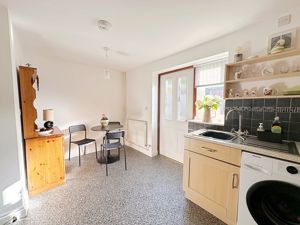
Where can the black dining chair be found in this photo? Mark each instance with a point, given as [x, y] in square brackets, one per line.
[107, 146]
[82, 142]
[112, 123]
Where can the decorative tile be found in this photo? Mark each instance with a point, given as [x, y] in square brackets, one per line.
[258, 102]
[270, 103]
[296, 102]
[247, 102]
[283, 102]
[284, 116]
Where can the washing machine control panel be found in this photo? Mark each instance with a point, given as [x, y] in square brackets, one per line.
[286, 169]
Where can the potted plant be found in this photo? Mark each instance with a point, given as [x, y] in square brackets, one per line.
[104, 121]
[208, 103]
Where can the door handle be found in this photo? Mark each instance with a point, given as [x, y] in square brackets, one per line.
[209, 149]
[235, 181]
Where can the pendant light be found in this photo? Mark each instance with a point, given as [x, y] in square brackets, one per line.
[106, 69]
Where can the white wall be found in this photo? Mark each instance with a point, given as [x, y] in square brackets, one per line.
[12, 189]
[78, 93]
[141, 82]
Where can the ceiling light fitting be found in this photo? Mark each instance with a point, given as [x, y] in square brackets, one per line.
[104, 25]
[106, 70]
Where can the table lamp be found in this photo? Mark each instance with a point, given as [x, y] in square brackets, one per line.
[48, 116]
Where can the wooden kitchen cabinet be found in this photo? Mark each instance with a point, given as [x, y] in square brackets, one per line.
[211, 182]
[45, 162]
[45, 165]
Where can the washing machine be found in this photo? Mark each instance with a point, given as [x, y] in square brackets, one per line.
[269, 191]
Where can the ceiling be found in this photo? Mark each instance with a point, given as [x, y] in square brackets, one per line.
[142, 30]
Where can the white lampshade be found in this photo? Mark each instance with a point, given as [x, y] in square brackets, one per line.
[48, 115]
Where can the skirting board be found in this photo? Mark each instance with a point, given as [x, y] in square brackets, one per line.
[19, 213]
[145, 151]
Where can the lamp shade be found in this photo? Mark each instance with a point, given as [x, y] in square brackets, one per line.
[48, 115]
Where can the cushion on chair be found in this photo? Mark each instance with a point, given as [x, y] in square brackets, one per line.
[83, 141]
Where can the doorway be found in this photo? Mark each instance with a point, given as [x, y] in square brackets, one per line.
[175, 108]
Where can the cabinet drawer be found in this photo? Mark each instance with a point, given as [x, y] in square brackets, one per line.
[216, 151]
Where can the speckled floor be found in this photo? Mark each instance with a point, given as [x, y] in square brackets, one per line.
[148, 193]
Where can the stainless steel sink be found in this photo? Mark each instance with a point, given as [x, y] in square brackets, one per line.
[218, 135]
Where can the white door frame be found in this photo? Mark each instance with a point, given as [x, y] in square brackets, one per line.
[158, 102]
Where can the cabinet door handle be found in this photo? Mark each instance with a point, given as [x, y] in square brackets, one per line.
[209, 149]
[235, 181]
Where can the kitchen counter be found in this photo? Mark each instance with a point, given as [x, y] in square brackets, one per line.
[263, 150]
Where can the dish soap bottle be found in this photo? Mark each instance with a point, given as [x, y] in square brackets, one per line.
[276, 127]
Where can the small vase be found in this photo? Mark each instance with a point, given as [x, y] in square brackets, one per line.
[104, 123]
[206, 115]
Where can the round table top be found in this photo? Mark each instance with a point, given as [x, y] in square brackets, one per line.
[107, 128]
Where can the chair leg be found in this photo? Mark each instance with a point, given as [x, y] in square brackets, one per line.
[79, 155]
[106, 162]
[84, 150]
[96, 149]
[125, 158]
[69, 151]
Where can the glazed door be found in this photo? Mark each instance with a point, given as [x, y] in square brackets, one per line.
[176, 108]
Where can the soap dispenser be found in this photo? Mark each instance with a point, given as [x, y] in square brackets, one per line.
[260, 127]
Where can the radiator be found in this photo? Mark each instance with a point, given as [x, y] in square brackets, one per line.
[137, 132]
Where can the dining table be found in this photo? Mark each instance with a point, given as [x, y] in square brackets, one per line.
[110, 157]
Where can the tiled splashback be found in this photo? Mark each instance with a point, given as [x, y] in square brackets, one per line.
[255, 111]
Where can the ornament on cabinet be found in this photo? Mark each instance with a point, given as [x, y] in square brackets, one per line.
[238, 57]
[246, 93]
[253, 93]
[230, 93]
[267, 70]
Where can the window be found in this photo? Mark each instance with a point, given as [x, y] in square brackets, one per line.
[210, 81]
[169, 99]
[182, 99]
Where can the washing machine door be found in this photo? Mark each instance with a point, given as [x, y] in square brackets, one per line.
[274, 203]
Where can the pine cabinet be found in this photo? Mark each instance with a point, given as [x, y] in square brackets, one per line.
[45, 162]
[210, 180]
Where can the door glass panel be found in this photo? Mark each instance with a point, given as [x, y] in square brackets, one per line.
[182, 99]
[169, 99]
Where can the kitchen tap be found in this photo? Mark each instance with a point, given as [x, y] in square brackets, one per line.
[239, 133]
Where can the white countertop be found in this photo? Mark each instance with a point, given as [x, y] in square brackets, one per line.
[240, 145]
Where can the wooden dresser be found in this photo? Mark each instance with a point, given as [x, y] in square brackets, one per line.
[45, 164]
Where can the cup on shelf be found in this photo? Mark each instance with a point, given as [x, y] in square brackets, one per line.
[237, 75]
[246, 93]
[237, 95]
[230, 93]
[267, 91]
[253, 93]
[284, 69]
[267, 70]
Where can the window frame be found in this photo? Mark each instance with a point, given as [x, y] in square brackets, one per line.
[223, 57]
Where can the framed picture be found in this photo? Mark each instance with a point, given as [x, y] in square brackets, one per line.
[289, 36]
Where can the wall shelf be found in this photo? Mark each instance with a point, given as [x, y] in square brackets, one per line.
[267, 58]
[255, 82]
[266, 77]
[265, 97]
